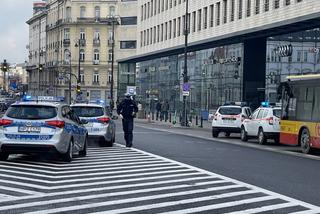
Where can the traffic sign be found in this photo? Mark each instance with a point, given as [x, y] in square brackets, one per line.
[185, 93]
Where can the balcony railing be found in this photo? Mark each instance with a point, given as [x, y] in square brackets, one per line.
[66, 42]
[96, 62]
[96, 42]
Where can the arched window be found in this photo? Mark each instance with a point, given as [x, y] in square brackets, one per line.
[97, 12]
[82, 11]
[67, 56]
[68, 13]
[112, 10]
[82, 55]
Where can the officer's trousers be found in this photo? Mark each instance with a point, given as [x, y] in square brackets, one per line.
[127, 125]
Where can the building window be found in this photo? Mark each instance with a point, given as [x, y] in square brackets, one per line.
[211, 15]
[218, 13]
[141, 13]
[97, 12]
[161, 38]
[96, 55]
[159, 6]
[66, 33]
[248, 8]
[232, 11]
[82, 34]
[162, 5]
[174, 28]
[299, 56]
[166, 31]
[170, 6]
[67, 57]
[194, 21]
[276, 4]
[305, 58]
[257, 7]
[170, 29]
[82, 77]
[225, 11]
[199, 20]
[167, 5]
[96, 34]
[130, 20]
[288, 2]
[82, 11]
[266, 5]
[155, 7]
[128, 44]
[82, 55]
[154, 34]
[205, 18]
[240, 9]
[148, 10]
[151, 8]
[110, 55]
[95, 77]
[141, 38]
[112, 10]
[68, 13]
[179, 27]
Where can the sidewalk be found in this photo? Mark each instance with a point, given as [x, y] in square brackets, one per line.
[194, 130]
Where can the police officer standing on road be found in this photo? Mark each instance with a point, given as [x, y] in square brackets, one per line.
[127, 110]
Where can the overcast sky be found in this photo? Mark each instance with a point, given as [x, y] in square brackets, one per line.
[14, 34]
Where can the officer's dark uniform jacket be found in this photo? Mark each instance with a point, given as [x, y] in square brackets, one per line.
[127, 107]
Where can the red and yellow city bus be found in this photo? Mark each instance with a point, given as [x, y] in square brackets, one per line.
[300, 120]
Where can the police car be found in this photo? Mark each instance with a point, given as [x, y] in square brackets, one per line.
[263, 124]
[100, 125]
[41, 125]
[228, 118]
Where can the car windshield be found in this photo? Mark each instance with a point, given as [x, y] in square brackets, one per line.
[85, 111]
[230, 110]
[277, 112]
[32, 112]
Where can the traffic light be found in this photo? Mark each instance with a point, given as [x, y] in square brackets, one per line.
[40, 67]
[4, 66]
[78, 90]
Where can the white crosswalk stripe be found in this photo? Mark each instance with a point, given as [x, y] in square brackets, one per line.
[122, 180]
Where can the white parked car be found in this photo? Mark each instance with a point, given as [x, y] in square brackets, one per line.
[263, 124]
[228, 118]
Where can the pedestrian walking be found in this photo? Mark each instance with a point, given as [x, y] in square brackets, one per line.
[165, 110]
[127, 110]
[158, 109]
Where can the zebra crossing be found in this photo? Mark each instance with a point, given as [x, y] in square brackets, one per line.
[128, 180]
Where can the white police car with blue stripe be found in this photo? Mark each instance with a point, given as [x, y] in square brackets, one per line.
[100, 125]
[41, 125]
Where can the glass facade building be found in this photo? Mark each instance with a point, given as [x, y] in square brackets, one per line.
[216, 75]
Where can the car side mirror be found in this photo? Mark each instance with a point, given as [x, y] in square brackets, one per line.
[83, 121]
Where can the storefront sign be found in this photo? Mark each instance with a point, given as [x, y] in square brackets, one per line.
[232, 59]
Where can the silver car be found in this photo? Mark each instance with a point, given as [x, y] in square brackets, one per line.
[30, 127]
[100, 125]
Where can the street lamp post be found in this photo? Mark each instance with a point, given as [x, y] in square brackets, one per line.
[185, 72]
[113, 20]
[79, 59]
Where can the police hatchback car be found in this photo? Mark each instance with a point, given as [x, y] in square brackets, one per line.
[263, 124]
[41, 125]
[228, 118]
[100, 126]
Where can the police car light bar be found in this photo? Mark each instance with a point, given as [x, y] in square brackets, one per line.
[265, 104]
[42, 98]
[99, 102]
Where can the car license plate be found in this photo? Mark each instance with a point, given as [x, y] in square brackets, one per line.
[29, 129]
[228, 121]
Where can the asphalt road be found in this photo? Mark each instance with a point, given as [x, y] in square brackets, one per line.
[293, 176]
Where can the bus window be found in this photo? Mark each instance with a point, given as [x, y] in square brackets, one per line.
[316, 105]
[304, 105]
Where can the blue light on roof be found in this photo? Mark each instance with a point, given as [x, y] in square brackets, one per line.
[265, 104]
[27, 98]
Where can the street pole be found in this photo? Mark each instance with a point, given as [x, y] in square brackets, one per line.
[70, 72]
[185, 72]
[78, 80]
[39, 56]
[112, 65]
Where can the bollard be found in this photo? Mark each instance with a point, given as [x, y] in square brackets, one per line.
[170, 117]
[196, 120]
[201, 122]
[152, 115]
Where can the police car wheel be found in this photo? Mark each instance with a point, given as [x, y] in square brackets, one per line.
[244, 136]
[83, 152]
[3, 156]
[215, 133]
[261, 137]
[68, 155]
